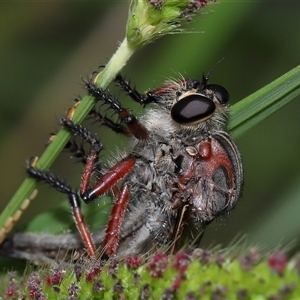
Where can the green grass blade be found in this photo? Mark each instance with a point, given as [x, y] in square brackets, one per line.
[257, 107]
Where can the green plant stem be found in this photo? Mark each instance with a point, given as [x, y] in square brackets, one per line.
[112, 68]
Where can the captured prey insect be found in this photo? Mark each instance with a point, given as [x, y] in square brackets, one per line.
[182, 167]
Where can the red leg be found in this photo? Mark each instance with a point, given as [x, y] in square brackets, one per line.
[74, 202]
[108, 180]
[88, 171]
[113, 229]
[82, 226]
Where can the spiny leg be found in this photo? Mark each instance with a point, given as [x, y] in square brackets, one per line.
[108, 181]
[134, 126]
[74, 202]
[92, 158]
[143, 99]
[118, 128]
[77, 151]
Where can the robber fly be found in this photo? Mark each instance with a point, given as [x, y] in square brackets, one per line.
[181, 168]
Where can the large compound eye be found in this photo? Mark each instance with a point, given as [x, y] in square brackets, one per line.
[192, 108]
[220, 92]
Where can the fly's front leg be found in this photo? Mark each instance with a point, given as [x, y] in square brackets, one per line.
[143, 99]
[134, 126]
[117, 128]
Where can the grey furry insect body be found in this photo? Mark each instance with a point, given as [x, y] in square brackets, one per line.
[170, 185]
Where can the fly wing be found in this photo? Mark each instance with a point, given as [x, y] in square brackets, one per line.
[147, 230]
[229, 173]
[40, 248]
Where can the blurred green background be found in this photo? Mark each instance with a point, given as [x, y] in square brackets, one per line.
[46, 46]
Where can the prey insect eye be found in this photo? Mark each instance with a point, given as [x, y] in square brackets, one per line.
[192, 108]
[220, 92]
